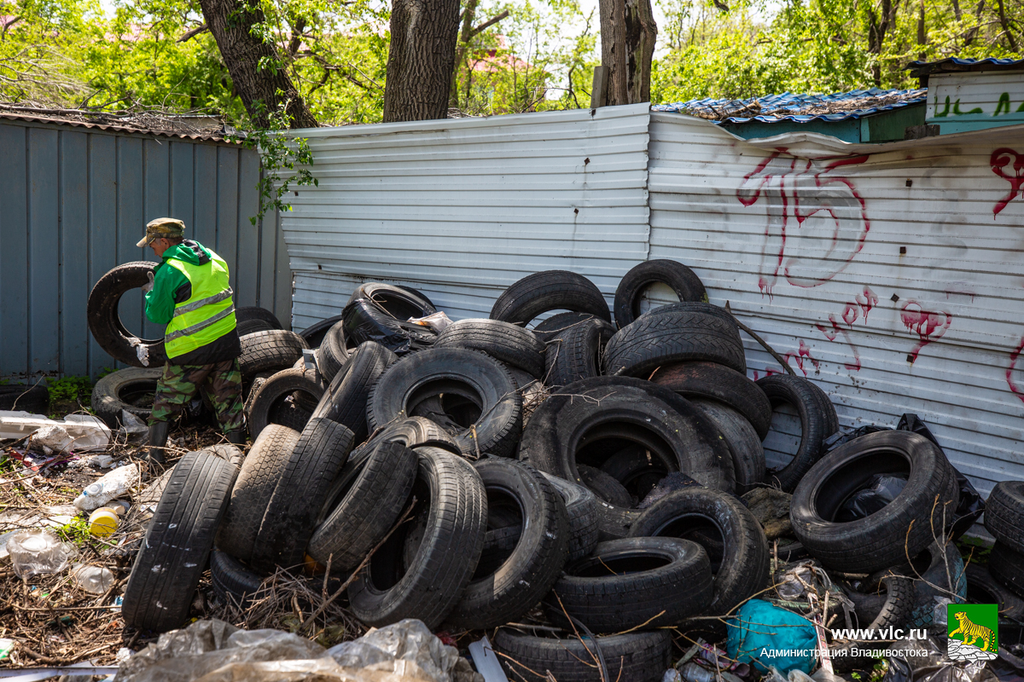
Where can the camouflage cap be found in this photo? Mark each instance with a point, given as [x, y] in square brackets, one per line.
[162, 227]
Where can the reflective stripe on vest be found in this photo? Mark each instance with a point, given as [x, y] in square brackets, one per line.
[208, 314]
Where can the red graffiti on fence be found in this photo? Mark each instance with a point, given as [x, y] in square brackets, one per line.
[816, 220]
[1016, 390]
[861, 305]
[928, 325]
[1000, 159]
[799, 355]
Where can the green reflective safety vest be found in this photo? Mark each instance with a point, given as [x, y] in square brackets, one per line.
[208, 314]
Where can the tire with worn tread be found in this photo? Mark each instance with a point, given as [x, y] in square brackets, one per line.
[1007, 566]
[633, 657]
[451, 495]
[1004, 514]
[304, 483]
[129, 389]
[269, 399]
[575, 353]
[105, 322]
[740, 557]
[894, 613]
[747, 452]
[345, 400]
[633, 582]
[178, 543]
[506, 593]
[670, 337]
[420, 380]
[718, 382]
[901, 528]
[785, 389]
[542, 292]
[232, 581]
[253, 489]
[681, 279]
[269, 351]
[581, 508]
[333, 352]
[508, 343]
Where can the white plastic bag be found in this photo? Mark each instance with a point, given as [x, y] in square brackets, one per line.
[115, 484]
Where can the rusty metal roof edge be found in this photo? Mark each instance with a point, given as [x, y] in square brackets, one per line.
[109, 127]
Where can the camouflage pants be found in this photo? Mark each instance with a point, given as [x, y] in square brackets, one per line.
[221, 381]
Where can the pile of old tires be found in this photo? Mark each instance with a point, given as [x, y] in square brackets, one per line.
[591, 469]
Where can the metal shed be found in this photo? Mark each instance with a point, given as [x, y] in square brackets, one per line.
[76, 199]
[889, 274]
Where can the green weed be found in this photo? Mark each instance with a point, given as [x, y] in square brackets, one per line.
[75, 531]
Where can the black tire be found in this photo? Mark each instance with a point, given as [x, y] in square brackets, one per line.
[232, 581]
[902, 528]
[747, 452]
[450, 494]
[894, 613]
[363, 504]
[345, 400]
[494, 597]
[785, 389]
[269, 351]
[25, 398]
[633, 657]
[695, 307]
[738, 551]
[177, 546]
[411, 432]
[499, 543]
[250, 313]
[587, 421]
[936, 572]
[581, 508]
[333, 353]
[105, 323]
[983, 588]
[575, 353]
[508, 343]
[656, 340]
[398, 301]
[682, 280]
[827, 409]
[412, 386]
[253, 326]
[270, 400]
[559, 323]
[542, 292]
[303, 486]
[252, 491]
[1004, 514]
[130, 389]
[1007, 566]
[633, 582]
[605, 486]
[717, 382]
[365, 320]
[314, 334]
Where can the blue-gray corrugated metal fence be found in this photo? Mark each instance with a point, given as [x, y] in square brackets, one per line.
[74, 202]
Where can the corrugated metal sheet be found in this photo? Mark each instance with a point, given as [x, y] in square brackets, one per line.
[82, 122]
[890, 274]
[980, 98]
[462, 208]
[801, 108]
[955, 64]
[75, 202]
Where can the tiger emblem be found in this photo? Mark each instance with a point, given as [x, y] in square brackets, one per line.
[972, 632]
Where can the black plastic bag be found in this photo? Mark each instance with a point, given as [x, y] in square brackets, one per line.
[882, 490]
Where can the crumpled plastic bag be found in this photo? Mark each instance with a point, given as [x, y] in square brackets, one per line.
[215, 651]
[927, 663]
[437, 321]
[765, 635]
[39, 552]
[407, 641]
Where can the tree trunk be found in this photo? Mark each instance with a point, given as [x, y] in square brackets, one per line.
[257, 72]
[877, 28]
[628, 34]
[421, 59]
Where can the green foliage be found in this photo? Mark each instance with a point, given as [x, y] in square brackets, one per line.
[279, 155]
[69, 389]
[75, 531]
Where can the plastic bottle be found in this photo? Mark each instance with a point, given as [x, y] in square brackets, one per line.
[93, 579]
[112, 485]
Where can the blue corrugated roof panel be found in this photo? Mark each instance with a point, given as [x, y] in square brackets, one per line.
[956, 65]
[800, 108]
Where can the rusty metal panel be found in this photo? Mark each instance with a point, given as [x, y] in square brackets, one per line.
[462, 208]
[75, 202]
[890, 275]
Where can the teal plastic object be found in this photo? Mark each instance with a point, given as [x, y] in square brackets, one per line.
[765, 635]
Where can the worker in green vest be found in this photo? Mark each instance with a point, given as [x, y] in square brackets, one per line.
[189, 292]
